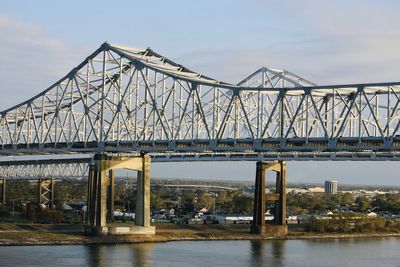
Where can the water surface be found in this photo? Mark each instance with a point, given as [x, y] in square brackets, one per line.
[347, 252]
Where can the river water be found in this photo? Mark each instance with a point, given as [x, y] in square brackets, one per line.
[332, 252]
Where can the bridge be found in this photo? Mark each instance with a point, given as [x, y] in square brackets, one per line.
[130, 100]
[133, 105]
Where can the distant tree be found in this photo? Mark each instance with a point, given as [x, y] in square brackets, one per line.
[243, 203]
[188, 206]
[362, 203]
[205, 200]
[155, 201]
[387, 202]
[347, 200]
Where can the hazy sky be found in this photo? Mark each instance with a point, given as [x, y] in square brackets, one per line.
[328, 42]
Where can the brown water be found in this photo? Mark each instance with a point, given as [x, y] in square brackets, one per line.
[349, 252]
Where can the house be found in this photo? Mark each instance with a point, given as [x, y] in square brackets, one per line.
[74, 213]
[203, 210]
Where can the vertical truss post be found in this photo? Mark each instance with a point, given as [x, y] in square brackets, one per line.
[281, 113]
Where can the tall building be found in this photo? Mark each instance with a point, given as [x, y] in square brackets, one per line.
[331, 187]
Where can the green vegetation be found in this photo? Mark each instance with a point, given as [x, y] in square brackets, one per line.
[301, 203]
[47, 216]
[351, 223]
[312, 203]
[387, 202]
[189, 202]
[347, 208]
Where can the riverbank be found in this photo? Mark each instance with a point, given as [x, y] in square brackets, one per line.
[30, 234]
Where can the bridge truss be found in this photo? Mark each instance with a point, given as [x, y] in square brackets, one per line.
[130, 100]
[72, 168]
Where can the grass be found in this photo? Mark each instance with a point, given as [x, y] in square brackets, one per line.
[45, 234]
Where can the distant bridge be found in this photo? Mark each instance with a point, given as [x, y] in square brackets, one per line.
[130, 100]
[197, 186]
[71, 168]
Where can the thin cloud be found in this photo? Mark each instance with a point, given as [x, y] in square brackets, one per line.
[31, 60]
[336, 42]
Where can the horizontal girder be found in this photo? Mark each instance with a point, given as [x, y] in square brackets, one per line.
[77, 168]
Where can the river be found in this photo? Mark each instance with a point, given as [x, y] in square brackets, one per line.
[330, 252]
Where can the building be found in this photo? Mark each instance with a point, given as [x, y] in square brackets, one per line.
[305, 190]
[331, 187]
[316, 189]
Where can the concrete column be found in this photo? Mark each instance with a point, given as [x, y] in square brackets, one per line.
[51, 194]
[101, 192]
[93, 195]
[3, 191]
[89, 196]
[39, 194]
[259, 200]
[280, 204]
[110, 195]
[142, 214]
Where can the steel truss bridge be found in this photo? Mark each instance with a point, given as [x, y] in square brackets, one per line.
[130, 100]
[71, 168]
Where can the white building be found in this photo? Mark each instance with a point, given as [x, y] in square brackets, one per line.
[316, 189]
[331, 186]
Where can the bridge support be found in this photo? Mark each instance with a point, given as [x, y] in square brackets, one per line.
[101, 195]
[3, 191]
[110, 196]
[45, 193]
[279, 197]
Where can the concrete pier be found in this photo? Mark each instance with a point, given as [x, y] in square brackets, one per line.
[101, 195]
[279, 226]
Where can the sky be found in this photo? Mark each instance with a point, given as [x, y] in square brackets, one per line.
[327, 42]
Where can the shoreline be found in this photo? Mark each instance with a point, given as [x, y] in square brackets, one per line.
[50, 238]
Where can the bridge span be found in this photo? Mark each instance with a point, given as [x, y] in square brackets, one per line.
[125, 107]
[131, 100]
